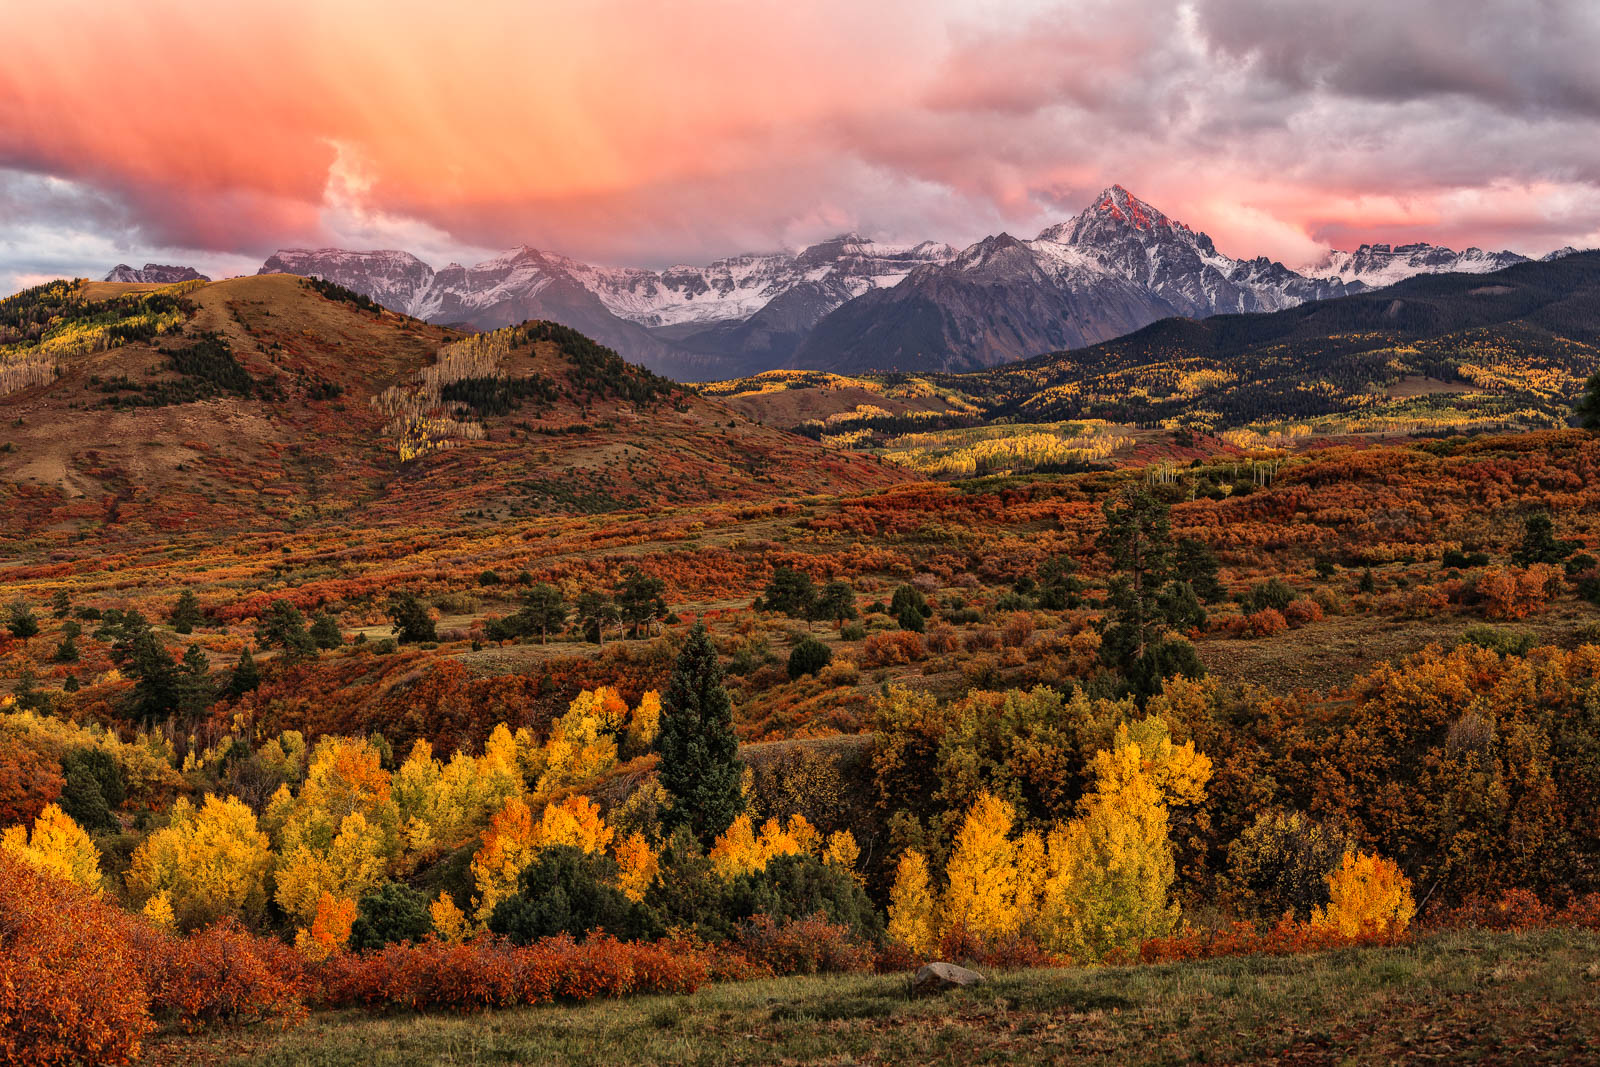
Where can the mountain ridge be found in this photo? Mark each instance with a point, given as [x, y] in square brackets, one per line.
[1114, 267]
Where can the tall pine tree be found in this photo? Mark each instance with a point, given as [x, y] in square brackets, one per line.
[700, 764]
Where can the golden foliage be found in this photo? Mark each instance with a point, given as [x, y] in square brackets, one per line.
[1366, 894]
[58, 846]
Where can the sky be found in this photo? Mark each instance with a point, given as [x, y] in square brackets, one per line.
[654, 132]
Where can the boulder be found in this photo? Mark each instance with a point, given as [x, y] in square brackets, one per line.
[938, 977]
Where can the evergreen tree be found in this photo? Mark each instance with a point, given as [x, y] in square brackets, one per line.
[1057, 587]
[412, 623]
[836, 603]
[790, 592]
[156, 689]
[245, 677]
[808, 657]
[186, 613]
[910, 608]
[1145, 598]
[67, 650]
[283, 626]
[700, 764]
[1196, 564]
[546, 609]
[639, 599]
[325, 632]
[1588, 406]
[21, 621]
[595, 611]
[195, 691]
[1539, 543]
[61, 604]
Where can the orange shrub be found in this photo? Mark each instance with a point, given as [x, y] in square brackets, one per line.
[69, 988]
[1515, 592]
[895, 647]
[1266, 622]
[1018, 630]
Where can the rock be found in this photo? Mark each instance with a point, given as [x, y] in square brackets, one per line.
[938, 977]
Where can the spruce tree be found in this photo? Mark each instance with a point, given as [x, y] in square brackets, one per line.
[186, 613]
[700, 764]
[245, 677]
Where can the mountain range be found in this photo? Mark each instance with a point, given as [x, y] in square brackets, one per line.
[155, 273]
[851, 304]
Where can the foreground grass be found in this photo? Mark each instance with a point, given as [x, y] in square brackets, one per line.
[1489, 998]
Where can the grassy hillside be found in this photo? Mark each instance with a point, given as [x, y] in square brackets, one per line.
[1466, 997]
[267, 402]
[1436, 353]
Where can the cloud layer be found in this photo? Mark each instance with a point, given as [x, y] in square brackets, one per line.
[626, 131]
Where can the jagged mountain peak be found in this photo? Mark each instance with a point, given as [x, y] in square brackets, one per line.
[159, 273]
[1117, 203]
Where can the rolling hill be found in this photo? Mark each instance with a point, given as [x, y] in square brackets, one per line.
[275, 401]
[1434, 353]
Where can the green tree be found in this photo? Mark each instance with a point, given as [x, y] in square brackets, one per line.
[60, 604]
[92, 786]
[412, 623]
[595, 611]
[808, 657]
[1137, 538]
[545, 608]
[186, 613]
[1057, 587]
[1539, 543]
[700, 765]
[244, 677]
[195, 691]
[567, 890]
[390, 914]
[790, 592]
[284, 627]
[1588, 406]
[836, 603]
[156, 689]
[325, 632]
[1196, 564]
[639, 599]
[21, 621]
[67, 650]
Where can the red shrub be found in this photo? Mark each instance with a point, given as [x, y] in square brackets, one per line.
[1515, 909]
[1303, 610]
[487, 973]
[803, 946]
[1245, 939]
[69, 989]
[1014, 951]
[224, 973]
[29, 779]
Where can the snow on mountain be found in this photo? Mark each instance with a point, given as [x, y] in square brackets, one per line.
[857, 304]
[1378, 265]
[397, 280]
[158, 273]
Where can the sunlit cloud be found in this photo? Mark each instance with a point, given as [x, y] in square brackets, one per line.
[620, 131]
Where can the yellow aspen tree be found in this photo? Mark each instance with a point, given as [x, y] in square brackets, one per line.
[582, 745]
[1111, 869]
[58, 846]
[735, 850]
[508, 847]
[206, 863]
[1366, 894]
[637, 866]
[449, 921]
[981, 874]
[644, 723]
[843, 853]
[576, 821]
[158, 909]
[913, 911]
[353, 863]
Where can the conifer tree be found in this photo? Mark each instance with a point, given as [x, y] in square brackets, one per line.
[700, 764]
[246, 676]
[186, 613]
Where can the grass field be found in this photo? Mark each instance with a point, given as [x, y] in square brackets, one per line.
[1451, 998]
